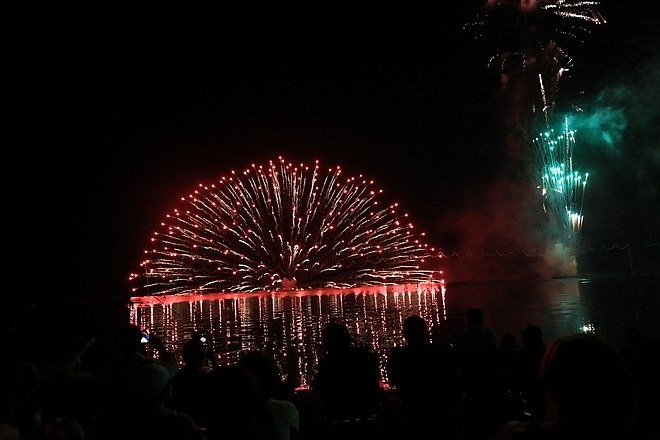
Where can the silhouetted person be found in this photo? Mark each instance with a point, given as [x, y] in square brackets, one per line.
[69, 396]
[475, 346]
[426, 381]
[475, 349]
[509, 354]
[589, 394]
[530, 362]
[235, 406]
[348, 377]
[188, 388]
[634, 338]
[643, 358]
[284, 414]
[149, 418]
[130, 354]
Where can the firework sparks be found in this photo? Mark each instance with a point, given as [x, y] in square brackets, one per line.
[526, 39]
[282, 226]
[562, 187]
[524, 43]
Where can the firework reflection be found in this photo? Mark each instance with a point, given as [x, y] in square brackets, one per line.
[288, 325]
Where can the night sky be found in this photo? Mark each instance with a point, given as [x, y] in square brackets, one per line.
[117, 113]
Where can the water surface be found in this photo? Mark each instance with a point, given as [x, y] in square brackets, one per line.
[288, 325]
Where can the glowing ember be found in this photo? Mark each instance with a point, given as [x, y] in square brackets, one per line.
[282, 226]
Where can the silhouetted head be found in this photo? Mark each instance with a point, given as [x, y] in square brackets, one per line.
[263, 368]
[193, 352]
[336, 336]
[128, 338]
[532, 335]
[150, 382]
[237, 402]
[474, 317]
[415, 330]
[508, 340]
[587, 383]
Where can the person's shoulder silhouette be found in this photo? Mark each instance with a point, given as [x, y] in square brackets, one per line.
[188, 394]
[283, 413]
[348, 377]
[425, 380]
[420, 368]
[235, 404]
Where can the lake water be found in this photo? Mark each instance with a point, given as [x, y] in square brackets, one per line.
[288, 325]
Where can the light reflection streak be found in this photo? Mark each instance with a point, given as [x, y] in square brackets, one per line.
[288, 325]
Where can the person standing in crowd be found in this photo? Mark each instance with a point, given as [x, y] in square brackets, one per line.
[508, 354]
[235, 406]
[348, 377]
[426, 382]
[642, 356]
[284, 414]
[634, 339]
[188, 393]
[530, 362]
[589, 394]
[475, 349]
[130, 354]
[148, 417]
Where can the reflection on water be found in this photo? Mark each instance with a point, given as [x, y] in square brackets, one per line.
[288, 325]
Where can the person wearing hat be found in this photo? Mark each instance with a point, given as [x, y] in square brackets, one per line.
[530, 361]
[131, 379]
[151, 389]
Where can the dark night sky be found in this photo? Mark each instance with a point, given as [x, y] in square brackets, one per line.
[120, 112]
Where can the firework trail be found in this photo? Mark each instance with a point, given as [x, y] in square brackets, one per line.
[526, 40]
[525, 44]
[282, 226]
[562, 187]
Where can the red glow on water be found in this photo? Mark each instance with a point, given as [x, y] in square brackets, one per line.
[367, 290]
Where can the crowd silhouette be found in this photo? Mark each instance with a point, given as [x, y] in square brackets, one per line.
[468, 385]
